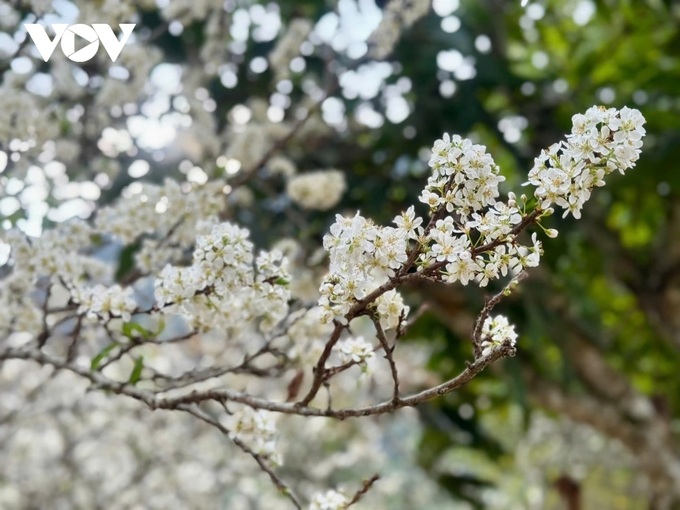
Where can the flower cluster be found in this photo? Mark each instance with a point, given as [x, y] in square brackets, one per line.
[464, 184]
[330, 500]
[160, 210]
[288, 46]
[56, 251]
[391, 309]
[105, 302]
[152, 258]
[320, 190]
[55, 259]
[281, 165]
[497, 331]
[507, 258]
[246, 144]
[602, 140]
[464, 177]
[222, 289]
[18, 312]
[258, 431]
[362, 257]
[22, 117]
[355, 350]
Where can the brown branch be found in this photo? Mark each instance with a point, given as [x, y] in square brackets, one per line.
[365, 487]
[154, 401]
[359, 308]
[320, 368]
[389, 356]
[73, 347]
[488, 307]
[406, 326]
[45, 332]
[261, 461]
[197, 376]
[139, 342]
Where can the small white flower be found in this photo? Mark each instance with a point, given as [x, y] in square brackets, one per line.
[408, 222]
[602, 140]
[496, 331]
[330, 500]
[355, 350]
[256, 428]
[318, 190]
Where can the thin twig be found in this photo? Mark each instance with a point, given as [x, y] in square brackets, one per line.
[224, 395]
[45, 332]
[388, 356]
[320, 369]
[488, 307]
[404, 328]
[365, 487]
[261, 461]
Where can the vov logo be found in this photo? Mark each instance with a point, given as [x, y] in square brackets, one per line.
[93, 35]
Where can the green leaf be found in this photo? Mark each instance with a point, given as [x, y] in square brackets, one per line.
[136, 373]
[126, 261]
[97, 360]
[129, 328]
[161, 326]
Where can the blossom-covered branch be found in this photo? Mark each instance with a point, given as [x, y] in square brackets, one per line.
[204, 286]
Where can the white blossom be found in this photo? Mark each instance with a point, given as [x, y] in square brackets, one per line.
[105, 302]
[497, 331]
[318, 190]
[224, 289]
[279, 165]
[464, 178]
[354, 349]
[288, 46]
[409, 223]
[602, 140]
[362, 257]
[256, 428]
[330, 500]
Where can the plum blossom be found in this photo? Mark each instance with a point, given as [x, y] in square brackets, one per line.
[330, 500]
[288, 46]
[318, 190]
[256, 428]
[225, 288]
[409, 223]
[363, 256]
[236, 301]
[354, 349]
[464, 177]
[105, 302]
[391, 309]
[497, 331]
[602, 140]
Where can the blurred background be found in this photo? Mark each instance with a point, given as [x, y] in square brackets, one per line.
[587, 415]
